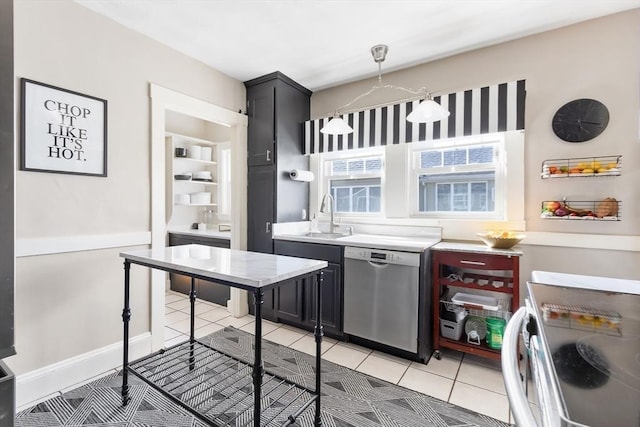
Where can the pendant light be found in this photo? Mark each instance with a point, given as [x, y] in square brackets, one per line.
[428, 111]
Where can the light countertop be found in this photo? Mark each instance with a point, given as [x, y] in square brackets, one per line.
[478, 248]
[398, 238]
[224, 235]
[397, 243]
[247, 270]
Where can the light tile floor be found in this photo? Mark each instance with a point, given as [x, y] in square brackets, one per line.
[462, 379]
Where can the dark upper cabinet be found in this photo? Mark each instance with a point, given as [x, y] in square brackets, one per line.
[277, 108]
[261, 109]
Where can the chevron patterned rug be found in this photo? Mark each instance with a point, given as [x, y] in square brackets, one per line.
[349, 398]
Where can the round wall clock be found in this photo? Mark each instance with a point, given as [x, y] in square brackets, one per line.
[580, 120]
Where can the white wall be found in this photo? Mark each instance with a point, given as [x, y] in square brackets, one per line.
[68, 304]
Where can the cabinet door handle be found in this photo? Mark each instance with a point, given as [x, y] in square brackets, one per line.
[267, 228]
[268, 155]
[472, 262]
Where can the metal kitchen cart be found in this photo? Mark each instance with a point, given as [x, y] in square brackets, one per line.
[220, 389]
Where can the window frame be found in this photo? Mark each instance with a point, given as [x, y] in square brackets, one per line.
[499, 167]
[326, 160]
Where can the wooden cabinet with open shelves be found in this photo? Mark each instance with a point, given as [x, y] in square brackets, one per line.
[475, 271]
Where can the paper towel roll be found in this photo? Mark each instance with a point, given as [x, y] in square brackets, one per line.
[301, 175]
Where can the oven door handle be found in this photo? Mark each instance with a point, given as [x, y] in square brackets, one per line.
[511, 371]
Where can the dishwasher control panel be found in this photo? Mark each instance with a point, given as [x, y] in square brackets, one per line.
[382, 256]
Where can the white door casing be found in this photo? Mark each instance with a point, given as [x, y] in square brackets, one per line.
[163, 100]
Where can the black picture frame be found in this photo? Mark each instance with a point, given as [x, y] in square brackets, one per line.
[62, 131]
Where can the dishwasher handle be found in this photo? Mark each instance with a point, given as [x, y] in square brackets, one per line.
[511, 372]
[378, 264]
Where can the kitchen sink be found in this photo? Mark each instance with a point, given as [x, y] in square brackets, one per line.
[323, 235]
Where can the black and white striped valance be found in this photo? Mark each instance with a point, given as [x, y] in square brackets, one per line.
[488, 109]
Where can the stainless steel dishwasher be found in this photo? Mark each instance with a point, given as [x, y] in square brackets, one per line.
[381, 296]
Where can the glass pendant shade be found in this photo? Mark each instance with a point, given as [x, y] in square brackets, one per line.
[428, 111]
[336, 126]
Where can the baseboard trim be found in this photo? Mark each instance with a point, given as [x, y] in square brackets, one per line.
[33, 386]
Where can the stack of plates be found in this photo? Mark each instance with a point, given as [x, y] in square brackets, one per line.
[201, 198]
[194, 152]
[183, 199]
[202, 176]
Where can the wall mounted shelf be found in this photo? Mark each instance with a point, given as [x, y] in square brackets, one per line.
[608, 209]
[581, 167]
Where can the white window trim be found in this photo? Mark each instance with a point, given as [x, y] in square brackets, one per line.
[500, 176]
[396, 206]
[324, 179]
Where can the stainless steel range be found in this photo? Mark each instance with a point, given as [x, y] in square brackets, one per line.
[582, 335]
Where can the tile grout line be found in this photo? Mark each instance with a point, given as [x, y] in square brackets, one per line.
[367, 354]
[455, 378]
[403, 374]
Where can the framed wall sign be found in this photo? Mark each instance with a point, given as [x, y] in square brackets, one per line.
[62, 131]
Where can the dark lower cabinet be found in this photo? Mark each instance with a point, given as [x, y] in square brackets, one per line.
[331, 300]
[7, 396]
[205, 290]
[288, 302]
[295, 304]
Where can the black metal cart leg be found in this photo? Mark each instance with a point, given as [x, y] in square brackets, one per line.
[126, 316]
[318, 334]
[192, 300]
[258, 369]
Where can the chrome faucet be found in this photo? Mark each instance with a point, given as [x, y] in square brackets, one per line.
[323, 209]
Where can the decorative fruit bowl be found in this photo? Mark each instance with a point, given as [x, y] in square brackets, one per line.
[501, 239]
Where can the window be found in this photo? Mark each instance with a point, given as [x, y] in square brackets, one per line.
[356, 182]
[459, 182]
[459, 177]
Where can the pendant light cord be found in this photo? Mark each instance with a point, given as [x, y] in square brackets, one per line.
[417, 94]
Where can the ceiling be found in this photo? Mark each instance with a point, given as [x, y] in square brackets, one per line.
[324, 43]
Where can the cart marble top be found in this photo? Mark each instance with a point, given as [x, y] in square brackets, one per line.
[246, 269]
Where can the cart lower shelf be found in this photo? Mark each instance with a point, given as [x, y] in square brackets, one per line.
[218, 388]
[481, 350]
